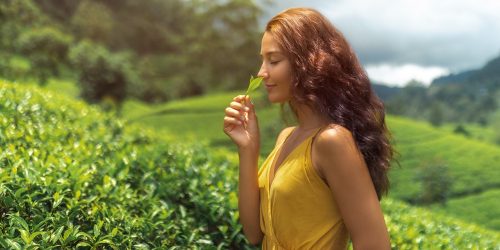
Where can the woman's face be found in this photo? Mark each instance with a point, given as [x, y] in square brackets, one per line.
[276, 70]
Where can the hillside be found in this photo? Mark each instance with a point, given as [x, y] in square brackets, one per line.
[472, 165]
[471, 96]
[487, 77]
[75, 177]
[72, 176]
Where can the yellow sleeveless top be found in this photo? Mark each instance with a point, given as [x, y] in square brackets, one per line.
[298, 210]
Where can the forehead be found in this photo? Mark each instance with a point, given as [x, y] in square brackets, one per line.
[269, 45]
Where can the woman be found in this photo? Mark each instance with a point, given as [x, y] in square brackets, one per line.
[322, 183]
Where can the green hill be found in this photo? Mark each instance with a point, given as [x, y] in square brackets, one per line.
[472, 165]
[72, 176]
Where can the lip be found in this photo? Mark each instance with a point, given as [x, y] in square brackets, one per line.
[269, 86]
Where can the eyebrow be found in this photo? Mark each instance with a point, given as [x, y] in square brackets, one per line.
[271, 52]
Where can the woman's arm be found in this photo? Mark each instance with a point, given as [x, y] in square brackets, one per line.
[249, 197]
[345, 170]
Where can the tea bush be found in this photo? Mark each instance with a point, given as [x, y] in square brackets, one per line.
[74, 177]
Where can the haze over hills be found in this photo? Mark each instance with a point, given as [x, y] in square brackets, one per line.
[488, 76]
[470, 96]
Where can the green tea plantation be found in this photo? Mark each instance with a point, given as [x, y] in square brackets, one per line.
[73, 177]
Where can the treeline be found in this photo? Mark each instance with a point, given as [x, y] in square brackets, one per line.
[468, 97]
[152, 50]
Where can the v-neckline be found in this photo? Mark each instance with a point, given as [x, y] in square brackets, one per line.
[278, 154]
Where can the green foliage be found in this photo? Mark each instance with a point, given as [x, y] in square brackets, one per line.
[182, 48]
[460, 129]
[253, 84]
[14, 67]
[435, 182]
[471, 130]
[416, 228]
[436, 114]
[93, 20]
[46, 48]
[15, 17]
[182, 118]
[417, 142]
[467, 97]
[102, 74]
[482, 212]
[72, 177]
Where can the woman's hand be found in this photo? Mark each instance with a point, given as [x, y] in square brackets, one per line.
[241, 125]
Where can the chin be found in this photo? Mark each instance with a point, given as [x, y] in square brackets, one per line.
[276, 99]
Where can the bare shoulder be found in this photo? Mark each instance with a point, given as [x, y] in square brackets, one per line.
[335, 148]
[282, 135]
[334, 137]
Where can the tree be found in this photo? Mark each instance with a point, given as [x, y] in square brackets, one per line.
[103, 75]
[435, 182]
[46, 48]
[436, 114]
[460, 129]
[16, 16]
[93, 20]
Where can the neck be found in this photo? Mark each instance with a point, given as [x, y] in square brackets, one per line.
[308, 119]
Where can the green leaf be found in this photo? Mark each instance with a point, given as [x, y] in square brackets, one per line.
[25, 235]
[12, 244]
[254, 84]
[114, 232]
[57, 234]
[19, 221]
[57, 199]
[83, 244]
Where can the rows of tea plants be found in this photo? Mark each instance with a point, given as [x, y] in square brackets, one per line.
[74, 177]
[481, 207]
[201, 118]
[472, 165]
[416, 228]
[71, 176]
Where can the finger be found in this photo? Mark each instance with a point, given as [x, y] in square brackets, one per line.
[239, 98]
[232, 112]
[231, 120]
[247, 99]
[238, 106]
[249, 103]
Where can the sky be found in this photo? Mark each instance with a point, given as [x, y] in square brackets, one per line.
[402, 40]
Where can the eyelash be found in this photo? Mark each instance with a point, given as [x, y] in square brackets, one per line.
[274, 63]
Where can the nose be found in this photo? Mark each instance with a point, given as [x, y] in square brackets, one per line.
[263, 72]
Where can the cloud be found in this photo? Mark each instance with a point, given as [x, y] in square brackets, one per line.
[449, 34]
[400, 75]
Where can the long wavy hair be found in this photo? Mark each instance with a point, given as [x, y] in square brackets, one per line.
[328, 77]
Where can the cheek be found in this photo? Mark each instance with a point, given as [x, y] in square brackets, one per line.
[284, 75]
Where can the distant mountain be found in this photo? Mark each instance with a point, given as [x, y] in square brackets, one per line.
[487, 77]
[385, 92]
[468, 96]
[453, 78]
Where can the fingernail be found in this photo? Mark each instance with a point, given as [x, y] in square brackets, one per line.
[247, 108]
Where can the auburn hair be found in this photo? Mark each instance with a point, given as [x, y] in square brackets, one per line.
[328, 77]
